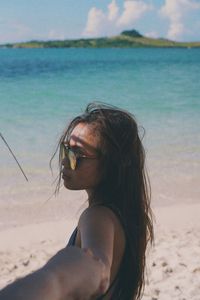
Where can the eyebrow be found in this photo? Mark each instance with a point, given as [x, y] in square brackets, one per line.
[83, 145]
[75, 147]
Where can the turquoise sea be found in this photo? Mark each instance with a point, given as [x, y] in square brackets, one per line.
[41, 89]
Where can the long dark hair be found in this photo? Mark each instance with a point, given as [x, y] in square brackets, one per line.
[125, 186]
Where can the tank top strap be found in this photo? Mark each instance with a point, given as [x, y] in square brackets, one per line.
[72, 238]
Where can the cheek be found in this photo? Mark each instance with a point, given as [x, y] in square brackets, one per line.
[90, 175]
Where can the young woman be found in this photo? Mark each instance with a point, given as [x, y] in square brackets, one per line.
[101, 152]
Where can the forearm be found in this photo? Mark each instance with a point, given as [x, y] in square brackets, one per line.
[78, 273]
[70, 274]
[39, 285]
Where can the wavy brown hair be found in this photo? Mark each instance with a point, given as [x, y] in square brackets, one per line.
[124, 186]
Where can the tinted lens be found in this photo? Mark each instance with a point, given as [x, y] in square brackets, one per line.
[72, 159]
[65, 152]
[62, 152]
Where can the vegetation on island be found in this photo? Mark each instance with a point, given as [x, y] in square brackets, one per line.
[127, 39]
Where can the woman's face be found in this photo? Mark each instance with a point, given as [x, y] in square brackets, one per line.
[83, 140]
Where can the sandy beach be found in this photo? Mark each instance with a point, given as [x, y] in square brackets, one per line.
[41, 90]
[173, 262]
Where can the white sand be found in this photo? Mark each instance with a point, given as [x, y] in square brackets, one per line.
[173, 263]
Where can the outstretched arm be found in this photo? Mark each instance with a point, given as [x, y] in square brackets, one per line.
[73, 273]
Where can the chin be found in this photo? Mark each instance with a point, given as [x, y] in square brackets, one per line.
[70, 186]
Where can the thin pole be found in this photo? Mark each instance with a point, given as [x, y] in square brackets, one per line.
[13, 156]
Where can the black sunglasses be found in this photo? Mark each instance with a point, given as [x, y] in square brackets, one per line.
[72, 155]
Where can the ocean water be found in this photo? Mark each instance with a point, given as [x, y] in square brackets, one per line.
[42, 89]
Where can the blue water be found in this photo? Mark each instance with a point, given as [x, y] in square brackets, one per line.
[41, 89]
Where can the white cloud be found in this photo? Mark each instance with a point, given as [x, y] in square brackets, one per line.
[101, 23]
[133, 10]
[96, 22]
[176, 11]
[152, 34]
[176, 30]
[112, 11]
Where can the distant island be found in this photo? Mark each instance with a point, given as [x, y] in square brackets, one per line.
[127, 39]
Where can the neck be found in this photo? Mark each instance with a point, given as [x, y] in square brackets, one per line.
[93, 198]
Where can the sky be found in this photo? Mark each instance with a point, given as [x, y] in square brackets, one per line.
[24, 20]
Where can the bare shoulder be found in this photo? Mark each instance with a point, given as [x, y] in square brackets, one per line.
[100, 214]
[100, 219]
[97, 231]
[101, 231]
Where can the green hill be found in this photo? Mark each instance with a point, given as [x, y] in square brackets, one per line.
[127, 39]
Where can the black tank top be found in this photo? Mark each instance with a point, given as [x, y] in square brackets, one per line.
[72, 240]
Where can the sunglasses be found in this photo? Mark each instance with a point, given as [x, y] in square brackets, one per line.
[73, 156]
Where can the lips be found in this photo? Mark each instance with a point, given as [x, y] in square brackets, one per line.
[65, 177]
[65, 174]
